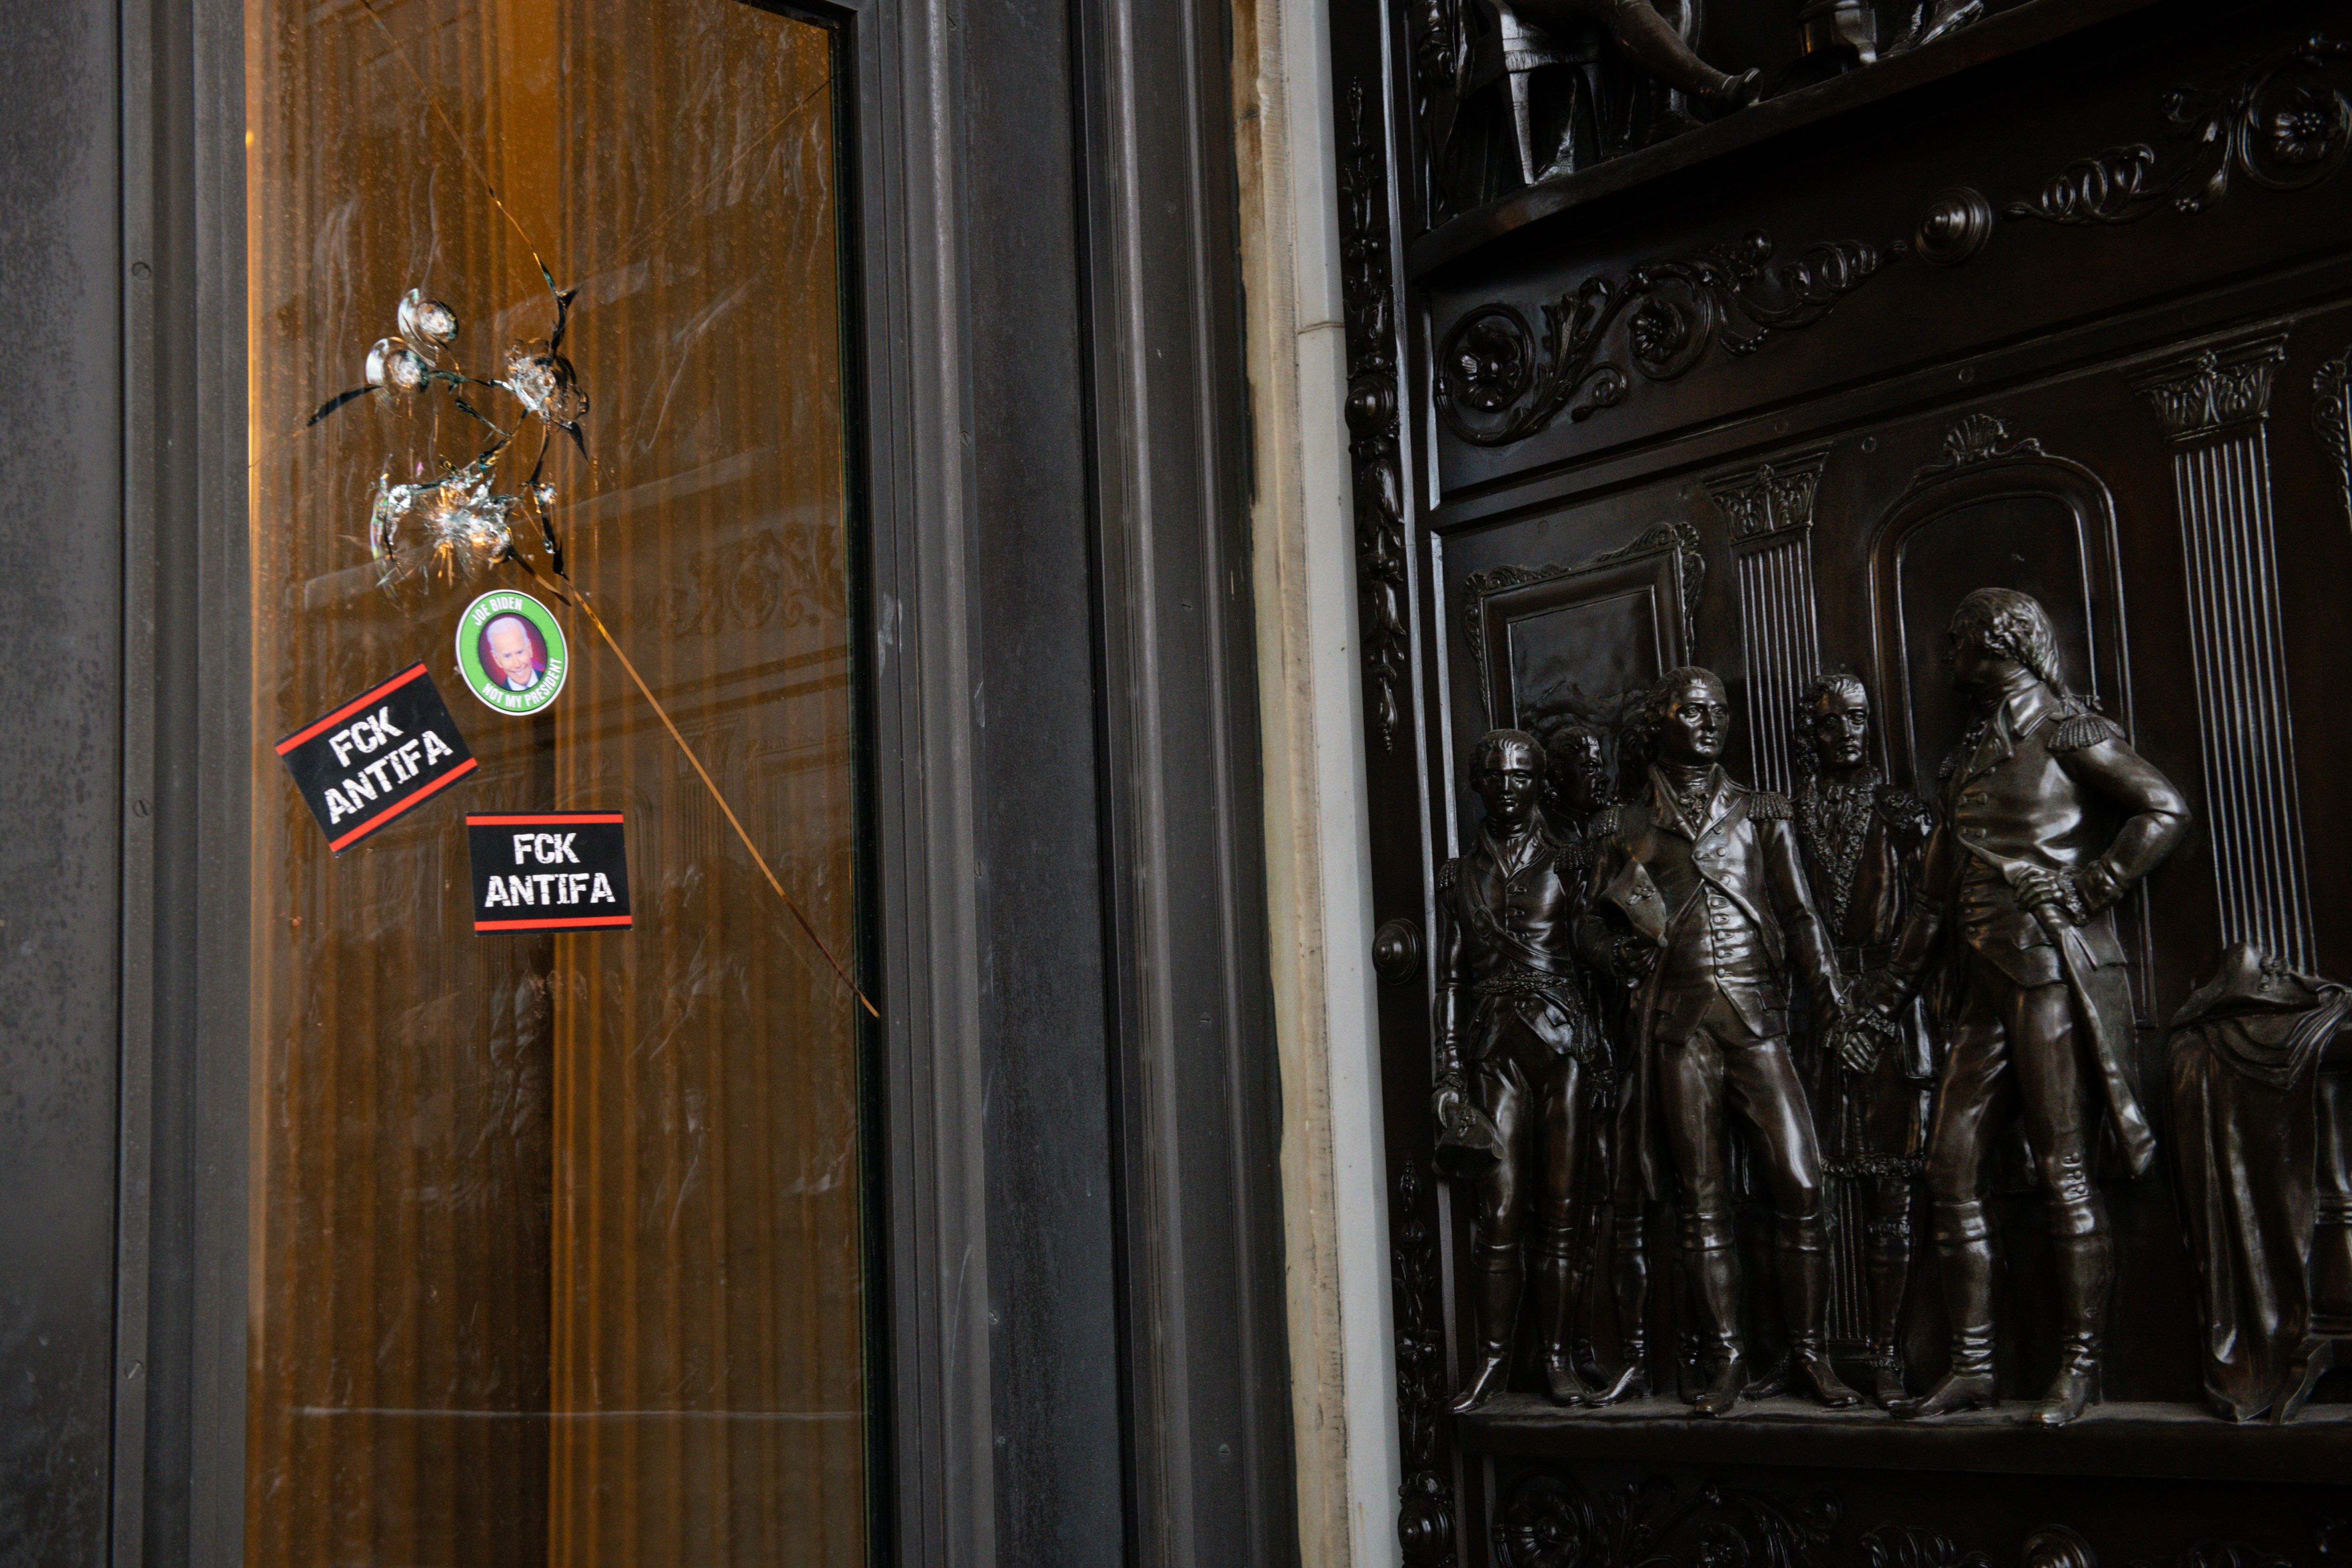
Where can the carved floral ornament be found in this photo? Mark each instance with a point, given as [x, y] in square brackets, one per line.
[1375, 454]
[2284, 124]
[2331, 418]
[1550, 1519]
[1496, 382]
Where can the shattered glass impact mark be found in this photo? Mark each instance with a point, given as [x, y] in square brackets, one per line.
[394, 366]
[545, 383]
[454, 527]
[427, 322]
[459, 526]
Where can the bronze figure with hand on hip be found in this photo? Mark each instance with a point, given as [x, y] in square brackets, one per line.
[2048, 818]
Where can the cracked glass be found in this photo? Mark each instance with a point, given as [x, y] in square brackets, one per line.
[556, 1239]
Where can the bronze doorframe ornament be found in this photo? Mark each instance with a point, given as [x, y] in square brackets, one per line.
[2331, 418]
[1770, 509]
[1552, 1519]
[1375, 454]
[2212, 405]
[1426, 1496]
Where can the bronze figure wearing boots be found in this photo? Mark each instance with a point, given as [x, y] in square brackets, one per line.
[1613, 1261]
[2049, 817]
[1699, 888]
[1515, 1041]
[1863, 841]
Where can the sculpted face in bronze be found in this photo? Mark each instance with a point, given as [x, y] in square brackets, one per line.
[1696, 721]
[1839, 725]
[1509, 777]
[1579, 769]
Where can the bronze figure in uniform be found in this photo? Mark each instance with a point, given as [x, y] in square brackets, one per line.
[1863, 841]
[1613, 1254]
[2048, 818]
[1513, 1040]
[1699, 888]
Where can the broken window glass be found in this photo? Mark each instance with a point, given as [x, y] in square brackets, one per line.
[555, 1237]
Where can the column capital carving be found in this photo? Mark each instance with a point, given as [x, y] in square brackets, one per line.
[2213, 390]
[1771, 497]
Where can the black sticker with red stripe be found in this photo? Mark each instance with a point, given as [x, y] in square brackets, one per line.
[375, 756]
[561, 870]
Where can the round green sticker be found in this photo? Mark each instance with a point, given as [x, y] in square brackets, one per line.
[511, 652]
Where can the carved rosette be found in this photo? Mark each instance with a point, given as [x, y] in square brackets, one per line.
[1498, 381]
[2283, 126]
[1368, 295]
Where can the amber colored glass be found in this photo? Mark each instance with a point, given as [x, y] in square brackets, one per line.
[556, 1239]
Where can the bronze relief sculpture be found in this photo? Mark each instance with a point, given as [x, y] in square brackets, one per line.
[1615, 1261]
[1515, 1041]
[2016, 921]
[1864, 841]
[2253, 1164]
[1699, 894]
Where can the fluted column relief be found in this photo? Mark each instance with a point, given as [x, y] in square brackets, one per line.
[1770, 509]
[2213, 406]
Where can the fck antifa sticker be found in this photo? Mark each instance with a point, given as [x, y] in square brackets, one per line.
[375, 756]
[511, 652]
[564, 870]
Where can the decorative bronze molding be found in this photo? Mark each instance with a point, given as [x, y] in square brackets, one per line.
[1551, 1519]
[2331, 418]
[2213, 390]
[1979, 438]
[1425, 1499]
[1770, 498]
[1912, 1546]
[1367, 295]
[2055, 1546]
[2285, 126]
[2217, 1555]
[1954, 227]
[1690, 576]
[1497, 384]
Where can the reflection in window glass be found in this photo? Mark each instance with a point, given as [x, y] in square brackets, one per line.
[555, 1237]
